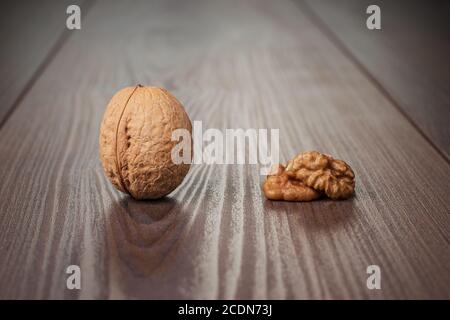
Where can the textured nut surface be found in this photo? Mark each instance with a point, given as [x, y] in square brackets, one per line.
[279, 186]
[135, 141]
[323, 173]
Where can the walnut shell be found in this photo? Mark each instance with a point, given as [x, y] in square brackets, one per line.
[135, 141]
[279, 186]
[323, 173]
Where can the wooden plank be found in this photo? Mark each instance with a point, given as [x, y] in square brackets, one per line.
[408, 56]
[31, 32]
[252, 64]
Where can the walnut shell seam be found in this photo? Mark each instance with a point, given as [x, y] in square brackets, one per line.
[118, 162]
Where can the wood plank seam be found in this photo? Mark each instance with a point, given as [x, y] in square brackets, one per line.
[333, 37]
[57, 46]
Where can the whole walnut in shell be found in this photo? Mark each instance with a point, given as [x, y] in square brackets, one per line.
[136, 144]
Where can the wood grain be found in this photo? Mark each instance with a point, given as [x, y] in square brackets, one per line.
[408, 56]
[233, 64]
[31, 33]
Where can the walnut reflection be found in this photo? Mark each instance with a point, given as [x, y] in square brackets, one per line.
[323, 214]
[145, 233]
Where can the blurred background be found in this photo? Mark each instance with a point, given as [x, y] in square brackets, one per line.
[408, 57]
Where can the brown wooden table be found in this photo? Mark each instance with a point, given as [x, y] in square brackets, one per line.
[378, 99]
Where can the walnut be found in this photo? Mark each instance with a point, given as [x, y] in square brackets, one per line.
[279, 186]
[136, 144]
[323, 173]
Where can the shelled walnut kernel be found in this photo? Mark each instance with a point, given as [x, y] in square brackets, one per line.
[319, 172]
[279, 186]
